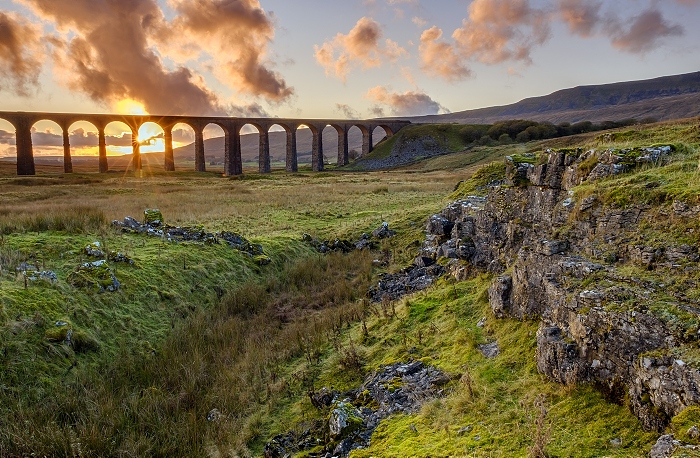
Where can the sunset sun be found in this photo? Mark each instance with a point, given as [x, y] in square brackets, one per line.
[130, 107]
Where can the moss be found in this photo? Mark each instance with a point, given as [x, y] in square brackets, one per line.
[478, 183]
[153, 217]
[681, 423]
[65, 332]
[527, 158]
[58, 332]
[588, 164]
[94, 275]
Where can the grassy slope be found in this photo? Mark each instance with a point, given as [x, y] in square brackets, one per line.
[175, 343]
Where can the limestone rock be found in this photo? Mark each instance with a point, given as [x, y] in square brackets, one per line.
[343, 420]
[94, 249]
[664, 447]
[490, 350]
[383, 231]
[499, 295]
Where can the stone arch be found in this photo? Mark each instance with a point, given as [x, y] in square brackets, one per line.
[387, 131]
[355, 135]
[119, 143]
[179, 144]
[309, 145]
[214, 136]
[252, 137]
[83, 135]
[151, 139]
[287, 154]
[8, 138]
[50, 139]
[335, 145]
[366, 135]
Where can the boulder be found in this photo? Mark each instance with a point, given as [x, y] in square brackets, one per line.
[383, 231]
[343, 420]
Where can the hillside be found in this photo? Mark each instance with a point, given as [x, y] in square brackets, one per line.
[547, 305]
[664, 98]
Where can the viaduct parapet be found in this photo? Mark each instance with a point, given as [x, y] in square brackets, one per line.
[24, 121]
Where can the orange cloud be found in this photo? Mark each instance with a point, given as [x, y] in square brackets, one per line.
[410, 103]
[440, 59]
[237, 34]
[644, 32]
[20, 53]
[582, 16]
[501, 30]
[116, 50]
[495, 31]
[362, 46]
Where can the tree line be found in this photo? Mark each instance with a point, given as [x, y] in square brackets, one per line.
[522, 131]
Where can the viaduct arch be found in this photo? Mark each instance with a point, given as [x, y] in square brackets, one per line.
[233, 165]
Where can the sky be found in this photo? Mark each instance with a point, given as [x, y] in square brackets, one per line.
[320, 58]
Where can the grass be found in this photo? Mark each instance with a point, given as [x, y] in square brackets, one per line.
[195, 327]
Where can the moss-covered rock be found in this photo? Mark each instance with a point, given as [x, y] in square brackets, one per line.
[262, 260]
[94, 249]
[66, 333]
[94, 275]
[153, 217]
[343, 420]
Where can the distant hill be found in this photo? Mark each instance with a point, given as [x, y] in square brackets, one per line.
[664, 98]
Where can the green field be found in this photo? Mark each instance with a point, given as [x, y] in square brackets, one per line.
[196, 326]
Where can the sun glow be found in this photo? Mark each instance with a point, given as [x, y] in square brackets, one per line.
[131, 107]
[150, 137]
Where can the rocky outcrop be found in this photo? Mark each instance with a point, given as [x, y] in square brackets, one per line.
[400, 388]
[556, 257]
[155, 226]
[365, 242]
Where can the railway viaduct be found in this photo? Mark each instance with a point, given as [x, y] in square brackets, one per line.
[24, 121]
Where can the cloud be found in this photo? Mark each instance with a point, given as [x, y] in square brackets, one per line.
[495, 31]
[20, 54]
[237, 34]
[582, 16]
[419, 21]
[113, 50]
[498, 31]
[347, 111]
[78, 138]
[362, 46]
[501, 30]
[377, 111]
[183, 135]
[411, 103]
[252, 110]
[440, 59]
[644, 32]
[7, 138]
